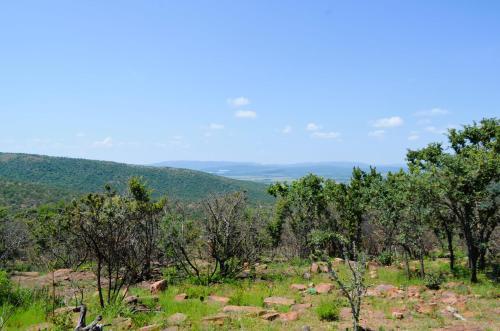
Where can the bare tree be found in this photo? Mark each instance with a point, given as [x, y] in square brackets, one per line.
[353, 288]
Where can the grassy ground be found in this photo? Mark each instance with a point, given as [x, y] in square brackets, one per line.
[479, 304]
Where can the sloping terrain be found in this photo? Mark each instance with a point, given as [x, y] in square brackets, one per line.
[35, 179]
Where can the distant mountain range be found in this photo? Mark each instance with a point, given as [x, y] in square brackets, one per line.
[268, 173]
[28, 180]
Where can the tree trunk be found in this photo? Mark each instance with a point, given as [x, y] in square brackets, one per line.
[99, 287]
[449, 237]
[473, 256]
[407, 264]
[482, 259]
[422, 270]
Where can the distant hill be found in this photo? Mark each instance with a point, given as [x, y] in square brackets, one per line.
[29, 180]
[267, 173]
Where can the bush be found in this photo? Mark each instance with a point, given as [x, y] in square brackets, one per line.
[329, 310]
[433, 281]
[385, 258]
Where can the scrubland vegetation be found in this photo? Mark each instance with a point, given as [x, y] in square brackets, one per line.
[412, 250]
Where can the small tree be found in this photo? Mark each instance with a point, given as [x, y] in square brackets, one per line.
[354, 287]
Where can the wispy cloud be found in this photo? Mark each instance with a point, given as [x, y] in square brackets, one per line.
[388, 122]
[245, 114]
[106, 143]
[377, 133]
[413, 136]
[326, 135]
[432, 112]
[312, 127]
[442, 130]
[287, 129]
[215, 126]
[238, 101]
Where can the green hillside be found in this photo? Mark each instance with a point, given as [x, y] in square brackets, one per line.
[32, 179]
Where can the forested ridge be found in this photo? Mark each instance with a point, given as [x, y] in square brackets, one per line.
[36, 179]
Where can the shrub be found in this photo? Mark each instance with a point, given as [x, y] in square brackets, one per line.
[433, 281]
[329, 310]
[385, 258]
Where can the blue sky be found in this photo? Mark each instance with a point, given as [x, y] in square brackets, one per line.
[264, 81]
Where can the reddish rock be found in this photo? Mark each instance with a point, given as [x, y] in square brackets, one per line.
[250, 310]
[301, 307]
[158, 286]
[153, 327]
[397, 313]
[337, 261]
[314, 268]
[218, 319]
[323, 267]
[324, 288]
[180, 297]
[426, 308]
[270, 316]
[298, 287]
[278, 301]
[289, 317]
[413, 291]
[218, 299]
[62, 273]
[177, 319]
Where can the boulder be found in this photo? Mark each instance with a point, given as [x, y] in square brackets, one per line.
[270, 316]
[314, 268]
[301, 307]
[249, 310]
[324, 288]
[289, 317]
[218, 299]
[278, 301]
[180, 297]
[158, 286]
[298, 287]
[177, 319]
[218, 319]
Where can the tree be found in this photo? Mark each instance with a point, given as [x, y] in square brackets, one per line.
[466, 178]
[303, 206]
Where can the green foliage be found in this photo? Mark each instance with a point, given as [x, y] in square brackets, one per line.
[30, 180]
[329, 310]
[385, 258]
[433, 280]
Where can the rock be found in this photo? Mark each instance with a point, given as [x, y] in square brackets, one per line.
[373, 274]
[390, 291]
[301, 307]
[373, 265]
[250, 310]
[306, 275]
[323, 267]
[271, 316]
[314, 268]
[26, 273]
[454, 313]
[131, 300]
[305, 328]
[278, 301]
[324, 288]
[177, 319]
[153, 327]
[449, 298]
[62, 273]
[337, 261]
[426, 308]
[289, 317]
[180, 297]
[218, 299]
[218, 319]
[260, 267]
[397, 313]
[413, 291]
[158, 286]
[122, 323]
[298, 287]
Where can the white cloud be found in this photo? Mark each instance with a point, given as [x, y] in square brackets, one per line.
[106, 142]
[245, 114]
[432, 112]
[444, 130]
[287, 129]
[238, 102]
[326, 135]
[215, 126]
[389, 122]
[312, 127]
[413, 136]
[377, 133]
